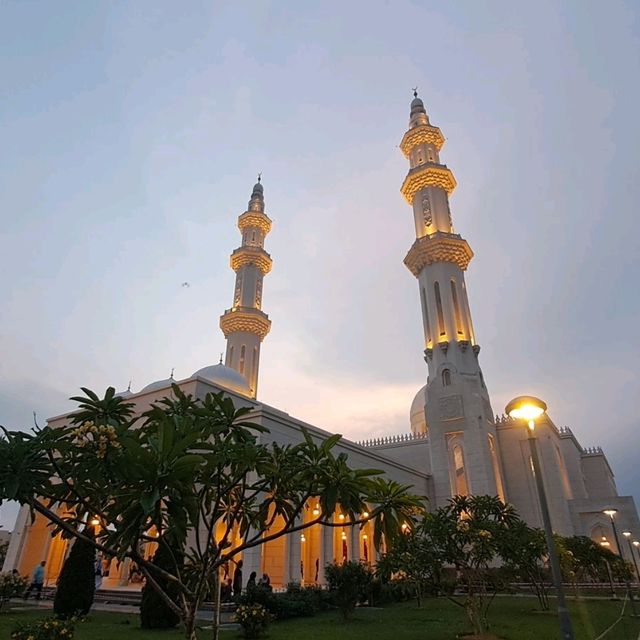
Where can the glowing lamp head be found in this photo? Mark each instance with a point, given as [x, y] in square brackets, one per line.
[626, 534]
[341, 516]
[526, 408]
[605, 543]
[95, 522]
[302, 538]
[404, 527]
[636, 543]
[365, 514]
[344, 535]
[610, 512]
[316, 512]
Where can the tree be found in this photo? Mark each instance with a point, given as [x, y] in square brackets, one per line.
[522, 550]
[4, 546]
[154, 612]
[11, 586]
[184, 466]
[76, 586]
[412, 558]
[349, 583]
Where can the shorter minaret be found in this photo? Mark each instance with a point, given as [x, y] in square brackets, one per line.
[245, 325]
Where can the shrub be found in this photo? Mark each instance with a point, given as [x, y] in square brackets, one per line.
[154, 612]
[254, 619]
[349, 583]
[11, 586]
[296, 602]
[48, 629]
[76, 586]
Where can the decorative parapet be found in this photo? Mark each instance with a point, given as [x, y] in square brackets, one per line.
[251, 255]
[565, 431]
[427, 175]
[253, 219]
[504, 419]
[397, 439]
[438, 247]
[245, 319]
[590, 451]
[423, 134]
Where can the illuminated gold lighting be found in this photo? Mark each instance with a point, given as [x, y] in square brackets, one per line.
[365, 514]
[95, 522]
[610, 512]
[404, 527]
[341, 516]
[526, 408]
[344, 535]
[302, 538]
[605, 543]
[365, 537]
[316, 512]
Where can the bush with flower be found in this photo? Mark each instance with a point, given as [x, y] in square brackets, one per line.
[11, 586]
[254, 619]
[48, 629]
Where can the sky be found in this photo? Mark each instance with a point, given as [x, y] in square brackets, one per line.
[131, 136]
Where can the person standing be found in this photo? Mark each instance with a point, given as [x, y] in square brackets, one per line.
[37, 581]
[237, 580]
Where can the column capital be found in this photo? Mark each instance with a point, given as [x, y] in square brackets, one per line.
[421, 134]
[251, 255]
[438, 247]
[427, 175]
[245, 319]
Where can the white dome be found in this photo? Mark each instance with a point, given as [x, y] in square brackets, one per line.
[158, 384]
[124, 394]
[417, 413]
[224, 377]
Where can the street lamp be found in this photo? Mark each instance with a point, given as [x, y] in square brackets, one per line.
[627, 535]
[611, 513]
[605, 544]
[529, 408]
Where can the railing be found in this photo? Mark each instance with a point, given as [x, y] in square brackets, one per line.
[397, 439]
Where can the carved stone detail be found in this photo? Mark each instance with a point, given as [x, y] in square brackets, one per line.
[451, 408]
[476, 349]
[428, 354]
[444, 346]
[257, 220]
[251, 255]
[246, 320]
[438, 247]
[463, 344]
[423, 134]
[427, 176]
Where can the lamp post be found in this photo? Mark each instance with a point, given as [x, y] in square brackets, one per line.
[611, 513]
[605, 544]
[529, 408]
[627, 535]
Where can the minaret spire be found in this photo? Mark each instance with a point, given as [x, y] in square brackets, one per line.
[458, 410]
[245, 325]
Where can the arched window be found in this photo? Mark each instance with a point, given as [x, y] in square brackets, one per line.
[230, 358]
[456, 308]
[255, 364]
[425, 313]
[496, 468]
[241, 366]
[460, 475]
[446, 378]
[436, 287]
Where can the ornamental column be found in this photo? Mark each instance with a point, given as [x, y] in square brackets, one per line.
[245, 325]
[464, 444]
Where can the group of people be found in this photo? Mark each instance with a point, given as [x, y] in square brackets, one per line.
[232, 589]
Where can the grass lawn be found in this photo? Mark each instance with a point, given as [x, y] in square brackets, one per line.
[512, 619]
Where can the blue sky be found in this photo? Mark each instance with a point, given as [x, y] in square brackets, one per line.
[132, 134]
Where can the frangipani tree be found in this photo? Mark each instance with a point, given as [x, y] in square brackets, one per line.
[190, 475]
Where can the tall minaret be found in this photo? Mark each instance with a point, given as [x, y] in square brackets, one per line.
[459, 418]
[245, 325]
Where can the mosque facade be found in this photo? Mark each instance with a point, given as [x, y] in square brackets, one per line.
[456, 444]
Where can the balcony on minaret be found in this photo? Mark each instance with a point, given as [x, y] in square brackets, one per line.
[438, 247]
[254, 255]
[245, 319]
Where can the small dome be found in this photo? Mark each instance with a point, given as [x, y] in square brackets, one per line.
[417, 106]
[158, 384]
[417, 413]
[127, 393]
[224, 377]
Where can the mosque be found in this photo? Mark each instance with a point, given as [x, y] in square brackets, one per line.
[455, 444]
